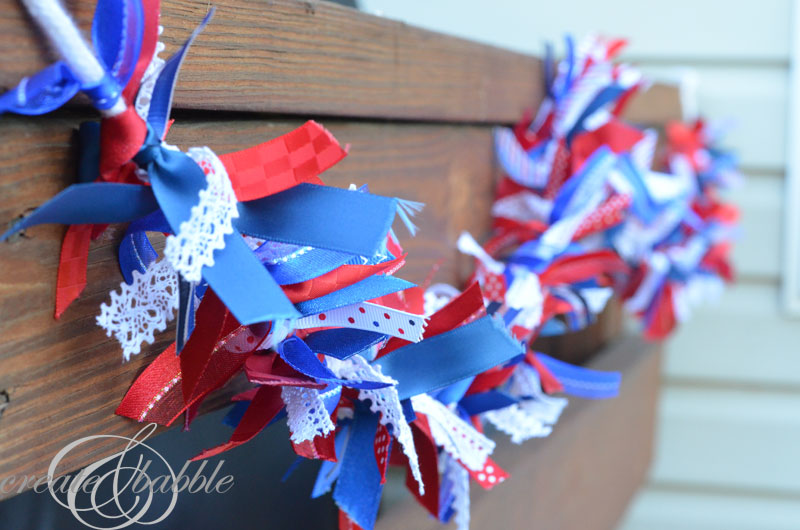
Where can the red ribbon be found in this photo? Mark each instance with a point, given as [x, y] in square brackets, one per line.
[291, 159]
[266, 404]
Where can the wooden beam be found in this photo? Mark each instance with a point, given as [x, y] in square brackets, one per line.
[313, 59]
[65, 378]
[582, 476]
[322, 59]
[304, 59]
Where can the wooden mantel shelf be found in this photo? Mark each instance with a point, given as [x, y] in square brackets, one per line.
[260, 69]
[580, 477]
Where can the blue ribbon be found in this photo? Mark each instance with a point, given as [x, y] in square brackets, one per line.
[117, 32]
[583, 382]
[299, 356]
[367, 289]
[320, 217]
[41, 93]
[606, 96]
[94, 203]
[442, 360]
[305, 266]
[135, 250]
[237, 277]
[643, 205]
[329, 471]
[575, 190]
[358, 489]
[342, 343]
[161, 99]
[491, 400]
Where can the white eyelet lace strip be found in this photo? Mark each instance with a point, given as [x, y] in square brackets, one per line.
[517, 423]
[211, 219]
[525, 382]
[458, 438]
[138, 310]
[383, 400]
[148, 83]
[531, 418]
[369, 317]
[459, 478]
[306, 413]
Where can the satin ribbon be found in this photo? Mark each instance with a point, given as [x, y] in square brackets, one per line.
[582, 382]
[237, 277]
[449, 357]
[117, 35]
[358, 488]
[299, 356]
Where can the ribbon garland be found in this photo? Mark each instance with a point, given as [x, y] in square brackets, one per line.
[277, 276]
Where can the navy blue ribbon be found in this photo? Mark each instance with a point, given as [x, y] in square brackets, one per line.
[342, 343]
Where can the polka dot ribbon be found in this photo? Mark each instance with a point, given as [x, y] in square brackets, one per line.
[369, 317]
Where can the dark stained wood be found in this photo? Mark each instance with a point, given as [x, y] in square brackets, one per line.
[313, 59]
[65, 377]
[298, 59]
[577, 347]
[322, 59]
[582, 476]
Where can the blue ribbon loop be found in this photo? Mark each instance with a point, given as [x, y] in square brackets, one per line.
[117, 32]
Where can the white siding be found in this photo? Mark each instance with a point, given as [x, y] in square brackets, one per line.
[658, 509]
[728, 444]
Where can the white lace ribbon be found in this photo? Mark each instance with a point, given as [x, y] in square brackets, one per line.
[211, 219]
[459, 478]
[386, 401]
[458, 438]
[148, 83]
[534, 416]
[137, 311]
[306, 414]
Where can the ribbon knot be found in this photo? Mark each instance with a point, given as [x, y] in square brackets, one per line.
[153, 151]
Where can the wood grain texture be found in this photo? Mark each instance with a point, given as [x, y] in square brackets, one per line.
[66, 377]
[313, 58]
[322, 59]
[580, 477]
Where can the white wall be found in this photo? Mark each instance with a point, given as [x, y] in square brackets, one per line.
[728, 449]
